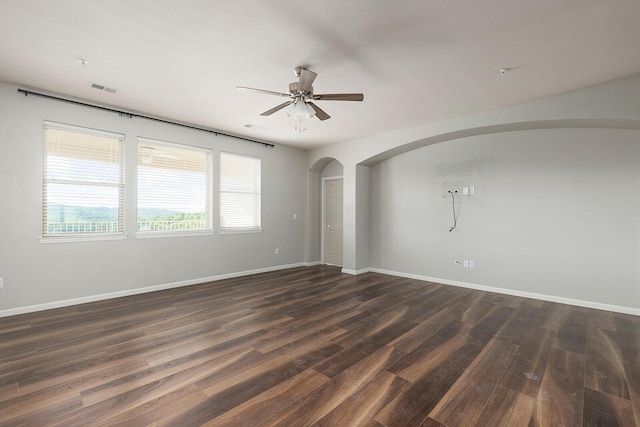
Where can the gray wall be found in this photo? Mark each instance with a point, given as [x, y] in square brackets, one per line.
[556, 212]
[45, 273]
[555, 216]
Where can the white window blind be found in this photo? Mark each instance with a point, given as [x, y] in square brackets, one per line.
[83, 186]
[174, 187]
[239, 192]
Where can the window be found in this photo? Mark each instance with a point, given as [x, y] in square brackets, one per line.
[174, 188]
[83, 185]
[239, 192]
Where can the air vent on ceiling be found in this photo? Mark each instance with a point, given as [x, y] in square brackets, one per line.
[104, 88]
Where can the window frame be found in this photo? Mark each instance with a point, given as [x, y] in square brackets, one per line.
[50, 237]
[144, 234]
[258, 194]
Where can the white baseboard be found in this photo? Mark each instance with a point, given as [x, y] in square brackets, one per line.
[356, 272]
[312, 263]
[512, 292]
[128, 292]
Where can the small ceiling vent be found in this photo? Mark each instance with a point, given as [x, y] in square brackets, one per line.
[104, 88]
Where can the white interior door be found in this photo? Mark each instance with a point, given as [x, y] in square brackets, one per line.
[333, 221]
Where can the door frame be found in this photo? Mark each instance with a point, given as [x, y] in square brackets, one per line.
[323, 200]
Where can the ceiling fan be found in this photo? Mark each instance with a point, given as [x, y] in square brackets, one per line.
[301, 95]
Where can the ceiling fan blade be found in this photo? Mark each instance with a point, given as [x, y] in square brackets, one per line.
[306, 80]
[276, 108]
[339, 97]
[320, 113]
[268, 92]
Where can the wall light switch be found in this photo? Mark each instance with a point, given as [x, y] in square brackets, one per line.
[465, 263]
[465, 191]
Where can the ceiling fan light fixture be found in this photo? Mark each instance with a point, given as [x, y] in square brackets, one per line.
[299, 109]
[290, 110]
[310, 111]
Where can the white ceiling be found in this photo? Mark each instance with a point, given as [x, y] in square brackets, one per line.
[416, 61]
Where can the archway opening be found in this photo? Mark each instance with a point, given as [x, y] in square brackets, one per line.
[324, 209]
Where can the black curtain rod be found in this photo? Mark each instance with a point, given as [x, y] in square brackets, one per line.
[142, 116]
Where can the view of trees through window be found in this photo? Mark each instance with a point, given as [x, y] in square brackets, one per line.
[160, 219]
[64, 219]
[95, 219]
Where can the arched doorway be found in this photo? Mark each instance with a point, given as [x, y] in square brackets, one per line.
[325, 212]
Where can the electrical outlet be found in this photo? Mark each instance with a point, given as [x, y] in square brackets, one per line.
[465, 263]
[472, 264]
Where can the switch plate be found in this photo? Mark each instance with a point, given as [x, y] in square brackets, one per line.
[277, 251]
[472, 190]
[465, 263]
[1, 282]
[472, 264]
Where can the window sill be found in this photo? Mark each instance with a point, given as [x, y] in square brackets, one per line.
[241, 231]
[83, 238]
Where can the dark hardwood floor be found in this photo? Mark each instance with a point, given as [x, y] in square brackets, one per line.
[312, 346]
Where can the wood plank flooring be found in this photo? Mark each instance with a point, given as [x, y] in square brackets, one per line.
[314, 347]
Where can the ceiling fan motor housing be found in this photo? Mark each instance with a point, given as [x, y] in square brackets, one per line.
[294, 90]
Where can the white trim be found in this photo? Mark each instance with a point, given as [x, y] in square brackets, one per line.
[99, 297]
[72, 238]
[312, 263]
[144, 140]
[356, 272]
[224, 231]
[512, 292]
[82, 129]
[128, 292]
[233, 153]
